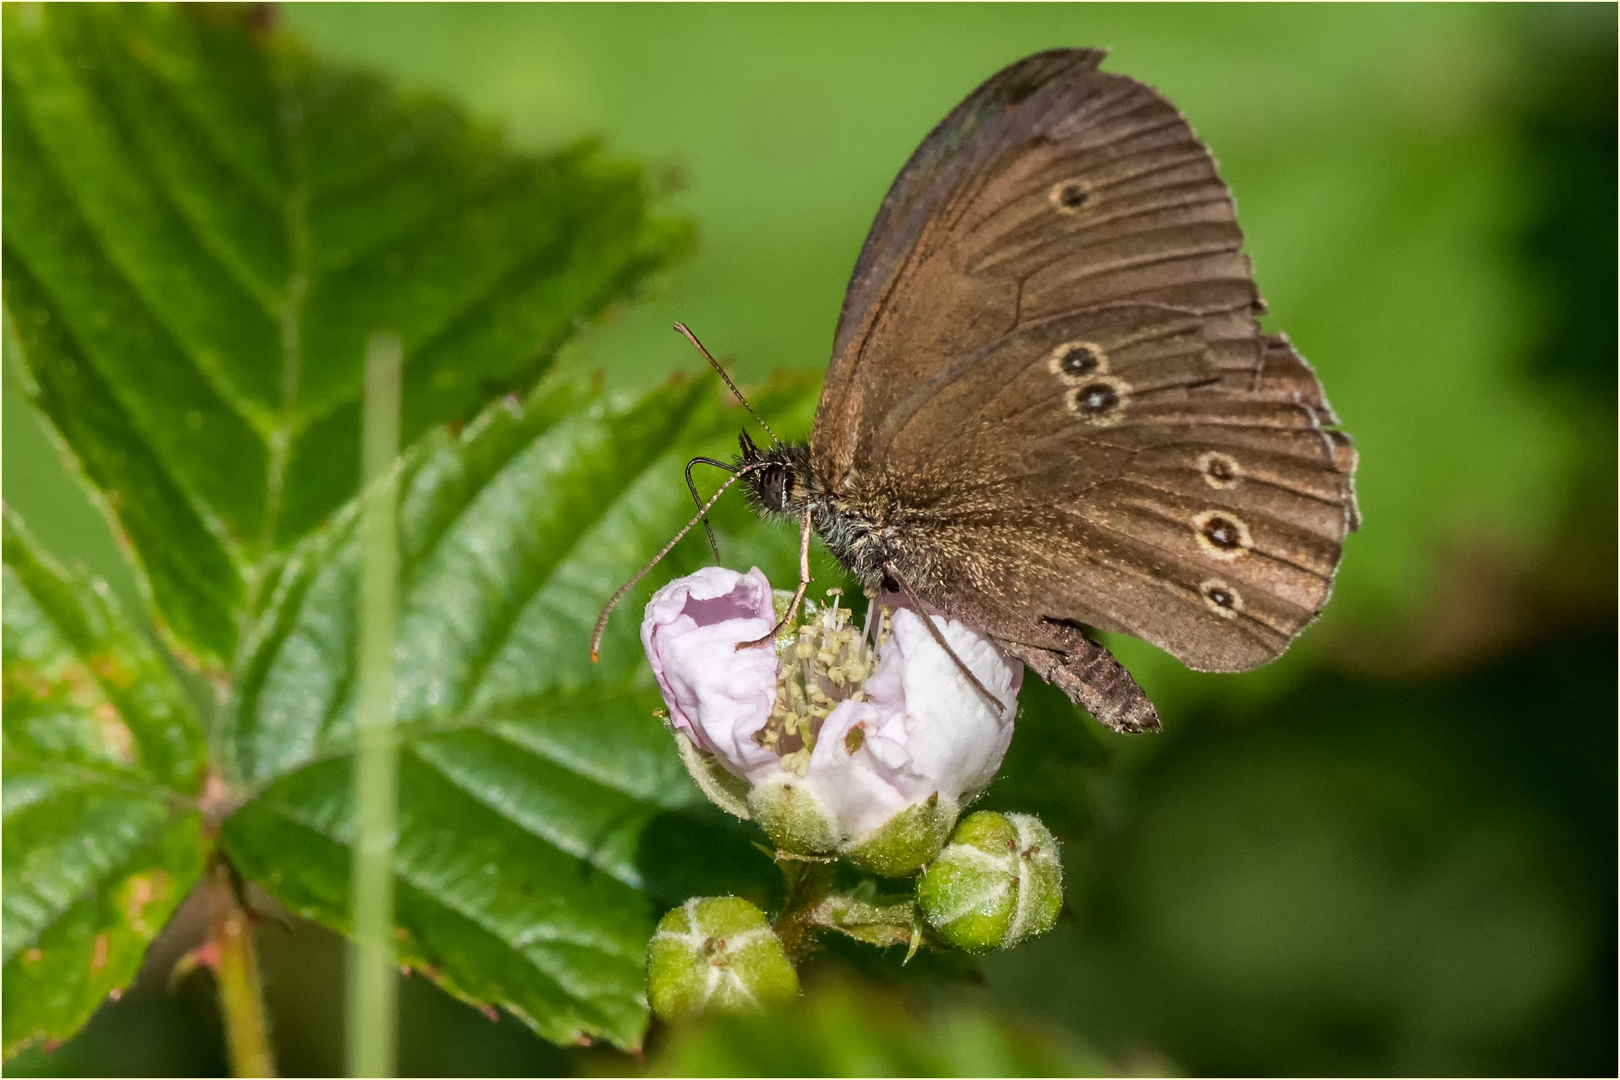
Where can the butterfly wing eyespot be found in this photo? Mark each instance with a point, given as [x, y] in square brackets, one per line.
[1069, 196]
[1221, 598]
[1075, 361]
[1221, 534]
[1100, 401]
[1219, 470]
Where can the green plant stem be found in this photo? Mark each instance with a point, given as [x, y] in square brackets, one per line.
[808, 884]
[241, 999]
[372, 972]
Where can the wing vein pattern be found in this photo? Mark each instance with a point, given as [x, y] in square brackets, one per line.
[1050, 387]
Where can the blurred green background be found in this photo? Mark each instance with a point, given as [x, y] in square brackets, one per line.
[1391, 852]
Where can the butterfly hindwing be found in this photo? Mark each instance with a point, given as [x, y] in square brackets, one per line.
[1049, 374]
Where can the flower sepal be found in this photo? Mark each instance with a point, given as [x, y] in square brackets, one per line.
[908, 840]
[723, 787]
[875, 918]
[793, 815]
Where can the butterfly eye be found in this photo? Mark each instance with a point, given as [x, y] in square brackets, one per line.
[1068, 196]
[1073, 361]
[1221, 598]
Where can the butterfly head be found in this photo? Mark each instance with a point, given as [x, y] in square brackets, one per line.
[778, 481]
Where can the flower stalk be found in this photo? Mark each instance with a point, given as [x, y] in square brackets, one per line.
[809, 884]
[236, 970]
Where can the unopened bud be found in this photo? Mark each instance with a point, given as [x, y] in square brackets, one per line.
[716, 953]
[998, 882]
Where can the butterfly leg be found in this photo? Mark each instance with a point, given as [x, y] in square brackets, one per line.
[1088, 673]
[698, 502]
[939, 638]
[805, 530]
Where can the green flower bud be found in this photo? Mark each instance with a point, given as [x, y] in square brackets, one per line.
[997, 882]
[716, 953]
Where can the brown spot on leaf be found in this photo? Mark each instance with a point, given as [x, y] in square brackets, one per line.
[109, 668]
[98, 953]
[140, 892]
[115, 737]
[76, 683]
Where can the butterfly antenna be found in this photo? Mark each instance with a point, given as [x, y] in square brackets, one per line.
[698, 345]
[601, 620]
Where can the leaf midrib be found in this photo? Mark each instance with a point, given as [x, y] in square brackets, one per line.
[502, 629]
[289, 324]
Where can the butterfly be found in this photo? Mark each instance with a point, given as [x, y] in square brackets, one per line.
[1050, 408]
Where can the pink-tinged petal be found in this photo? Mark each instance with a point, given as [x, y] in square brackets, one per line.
[847, 774]
[717, 695]
[922, 728]
[918, 729]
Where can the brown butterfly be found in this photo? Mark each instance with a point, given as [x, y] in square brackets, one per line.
[1050, 406]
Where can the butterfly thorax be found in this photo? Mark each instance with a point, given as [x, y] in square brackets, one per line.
[783, 485]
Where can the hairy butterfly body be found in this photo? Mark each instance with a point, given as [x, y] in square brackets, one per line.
[1050, 406]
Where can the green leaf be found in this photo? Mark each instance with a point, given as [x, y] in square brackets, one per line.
[203, 223]
[844, 1028]
[104, 759]
[545, 818]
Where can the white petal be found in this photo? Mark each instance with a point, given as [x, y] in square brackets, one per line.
[956, 737]
[924, 728]
[719, 697]
[854, 785]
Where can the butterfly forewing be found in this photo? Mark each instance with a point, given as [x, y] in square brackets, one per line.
[1049, 380]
